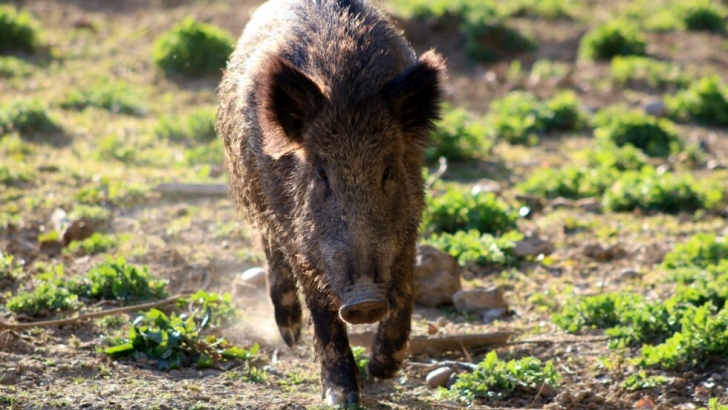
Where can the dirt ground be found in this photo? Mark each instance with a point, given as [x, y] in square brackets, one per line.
[197, 242]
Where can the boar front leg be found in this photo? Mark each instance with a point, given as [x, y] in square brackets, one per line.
[283, 294]
[389, 346]
[339, 373]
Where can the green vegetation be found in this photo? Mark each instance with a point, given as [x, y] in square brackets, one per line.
[191, 129]
[26, 116]
[13, 67]
[615, 38]
[641, 381]
[702, 16]
[18, 30]
[220, 307]
[482, 249]
[457, 136]
[520, 118]
[174, 342]
[655, 137]
[635, 70]
[115, 97]
[9, 268]
[702, 251]
[482, 24]
[705, 101]
[193, 48]
[117, 280]
[713, 405]
[548, 9]
[496, 379]
[97, 243]
[43, 300]
[361, 360]
[457, 210]
[12, 176]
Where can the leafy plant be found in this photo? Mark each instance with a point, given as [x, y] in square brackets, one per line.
[456, 210]
[193, 48]
[640, 381]
[361, 360]
[13, 176]
[210, 153]
[44, 299]
[113, 148]
[569, 182]
[9, 268]
[657, 74]
[97, 243]
[220, 307]
[115, 97]
[701, 16]
[656, 137]
[496, 379]
[649, 191]
[702, 250]
[600, 311]
[520, 118]
[26, 116]
[713, 405]
[115, 279]
[548, 9]
[174, 342]
[627, 157]
[705, 101]
[472, 246]
[13, 67]
[18, 30]
[195, 127]
[457, 136]
[612, 39]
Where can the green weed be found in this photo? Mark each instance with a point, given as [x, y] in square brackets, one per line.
[27, 116]
[713, 405]
[18, 30]
[9, 268]
[44, 299]
[702, 251]
[195, 127]
[705, 101]
[114, 148]
[569, 182]
[635, 70]
[701, 16]
[496, 379]
[481, 249]
[174, 342]
[612, 39]
[117, 280]
[457, 136]
[655, 137]
[93, 214]
[13, 67]
[115, 97]
[211, 153]
[193, 48]
[221, 308]
[97, 243]
[640, 381]
[548, 9]
[361, 360]
[456, 210]
[13, 176]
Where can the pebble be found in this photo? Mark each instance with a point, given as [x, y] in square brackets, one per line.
[589, 205]
[533, 247]
[436, 277]
[254, 276]
[629, 273]
[439, 377]
[442, 321]
[655, 107]
[479, 299]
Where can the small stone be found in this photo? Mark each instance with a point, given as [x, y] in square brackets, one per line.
[485, 186]
[437, 277]
[716, 376]
[479, 299]
[254, 276]
[533, 247]
[547, 390]
[581, 395]
[560, 203]
[531, 201]
[655, 107]
[629, 273]
[432, 329]
[491, 314]
[589, 205]
[602, 254]
[442, 321]
[715, 165]
[452, 380]
[439, 377]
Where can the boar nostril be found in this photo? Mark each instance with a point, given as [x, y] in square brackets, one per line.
[367, 311]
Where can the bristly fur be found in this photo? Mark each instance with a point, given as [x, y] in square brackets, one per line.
[325, 113]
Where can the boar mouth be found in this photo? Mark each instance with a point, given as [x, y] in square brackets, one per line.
[363, 303]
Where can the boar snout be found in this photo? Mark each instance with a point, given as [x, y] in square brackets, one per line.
[363, 303]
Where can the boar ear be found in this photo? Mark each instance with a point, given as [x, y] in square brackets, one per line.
[289, 99]
[414, 95]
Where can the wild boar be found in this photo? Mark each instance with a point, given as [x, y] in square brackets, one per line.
[325, 112]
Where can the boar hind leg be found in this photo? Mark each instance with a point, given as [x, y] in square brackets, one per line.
[389, 346]
[283, 294]
[339, 373]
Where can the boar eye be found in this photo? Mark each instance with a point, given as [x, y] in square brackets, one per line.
[387, 175]
[322, 174]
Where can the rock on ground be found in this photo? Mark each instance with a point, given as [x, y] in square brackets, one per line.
[437, 277]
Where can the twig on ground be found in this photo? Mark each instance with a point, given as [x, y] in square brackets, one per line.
[93, 315]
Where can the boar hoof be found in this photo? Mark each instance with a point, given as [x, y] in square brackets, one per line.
[290, 334]
[381, 370]
[338, 397]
